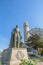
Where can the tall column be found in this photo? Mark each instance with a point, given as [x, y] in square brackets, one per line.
[26, 31]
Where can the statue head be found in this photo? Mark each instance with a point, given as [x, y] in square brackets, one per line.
[16, 26]
[17, 29]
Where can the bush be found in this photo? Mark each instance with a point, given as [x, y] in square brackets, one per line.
[0, 62]
[28, 62]
[41, 58]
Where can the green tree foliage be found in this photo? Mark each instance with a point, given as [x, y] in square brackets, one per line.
[36, 38]
[34, 41]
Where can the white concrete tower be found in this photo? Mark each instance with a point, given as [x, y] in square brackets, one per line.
[26, 31]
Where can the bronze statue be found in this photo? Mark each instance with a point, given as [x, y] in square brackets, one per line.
[15, 38]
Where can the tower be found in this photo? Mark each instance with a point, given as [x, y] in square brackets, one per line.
[26, 31]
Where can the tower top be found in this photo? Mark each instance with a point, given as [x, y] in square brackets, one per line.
[26, 24]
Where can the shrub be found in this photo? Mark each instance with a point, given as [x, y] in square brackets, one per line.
[28, 62]
[41, 58]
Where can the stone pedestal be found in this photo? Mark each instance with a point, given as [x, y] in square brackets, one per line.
[13, 56]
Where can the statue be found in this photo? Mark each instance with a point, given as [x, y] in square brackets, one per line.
[15, 38]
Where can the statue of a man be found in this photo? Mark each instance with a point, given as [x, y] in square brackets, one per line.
[16, 36]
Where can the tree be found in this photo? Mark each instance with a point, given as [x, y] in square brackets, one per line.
[34, 41]
[36, 38]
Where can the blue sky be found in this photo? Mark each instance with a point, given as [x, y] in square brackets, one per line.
[16, 12]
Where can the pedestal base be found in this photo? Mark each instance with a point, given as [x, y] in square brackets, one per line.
[13, 56]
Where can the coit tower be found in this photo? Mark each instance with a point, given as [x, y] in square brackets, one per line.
[26, 31]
